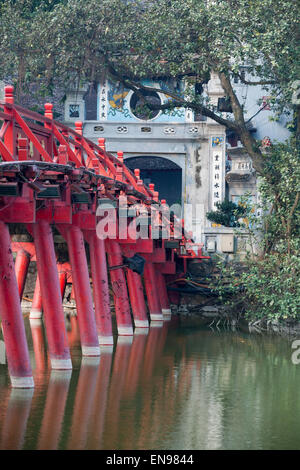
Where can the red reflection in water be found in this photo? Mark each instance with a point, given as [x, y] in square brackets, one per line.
[85, 396]
[164, 395]
[54, 409]
[135, 361]
[151, 388]
[73, 334]
[15, 423]
[155, 344]
[124, 404]
[100, 403]
[118, 377]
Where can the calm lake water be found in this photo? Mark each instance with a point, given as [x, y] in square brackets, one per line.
[181, 386]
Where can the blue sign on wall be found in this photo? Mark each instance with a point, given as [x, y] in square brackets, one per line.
[119, 104]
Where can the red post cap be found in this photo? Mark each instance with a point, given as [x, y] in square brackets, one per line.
[101, 143]
[78, 127]
[120, 156]
[9, 94]
[48, 110]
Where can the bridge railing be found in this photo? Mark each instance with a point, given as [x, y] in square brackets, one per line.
[28, 135]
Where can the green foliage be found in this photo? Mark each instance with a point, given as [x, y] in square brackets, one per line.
[67, 40]
[268, 288]
[228, 214]
[280, 188]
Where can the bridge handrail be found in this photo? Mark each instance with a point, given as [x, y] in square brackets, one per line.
[81, 143]
[102, 163]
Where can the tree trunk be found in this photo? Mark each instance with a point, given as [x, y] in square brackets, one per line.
[247, 139]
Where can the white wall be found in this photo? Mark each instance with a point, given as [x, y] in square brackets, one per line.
[249, 96]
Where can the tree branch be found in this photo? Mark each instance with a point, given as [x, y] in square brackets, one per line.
[259, 82]
[177, 103]
[246, 138]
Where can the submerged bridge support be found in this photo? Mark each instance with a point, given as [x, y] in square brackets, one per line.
[100, 288]
[53, 180]
[11, 316]
[51, 295]
[150, 278]
[83, 295]
[137, 299]
[21, 267]
[118, 283]
[36, 306]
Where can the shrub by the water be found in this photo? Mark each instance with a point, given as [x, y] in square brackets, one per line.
[268, 285]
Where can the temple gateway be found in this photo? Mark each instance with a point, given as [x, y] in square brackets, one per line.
[191, 159]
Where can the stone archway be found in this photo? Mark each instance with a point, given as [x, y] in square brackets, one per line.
[164, 173]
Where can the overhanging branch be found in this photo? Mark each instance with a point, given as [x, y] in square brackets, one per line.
[178, 102]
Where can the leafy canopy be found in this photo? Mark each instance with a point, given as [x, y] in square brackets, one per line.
[58, 42]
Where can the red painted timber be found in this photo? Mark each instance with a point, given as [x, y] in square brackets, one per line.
[82, 289]
[163, 294]
[118, 282]
[152, 292]
[100, 288]
[137, 300]
[21, 267]
[11, 317]
[52, 305]
[62, 277]
[36, 306]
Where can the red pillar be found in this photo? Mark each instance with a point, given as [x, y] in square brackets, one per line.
[137, 300]
[119, 288]
[21, 267]
[152, 292]
[36, 307]
[82, 289]
[100, 288]
[72, 292]
[52, 305]
[11, 317]
[163, 294]
[36, 326]
[62, 277]
[74, 335]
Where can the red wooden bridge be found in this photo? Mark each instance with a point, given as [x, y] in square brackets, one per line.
[52, 183]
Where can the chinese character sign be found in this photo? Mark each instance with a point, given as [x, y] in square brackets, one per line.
[102, 108]
[217, 171]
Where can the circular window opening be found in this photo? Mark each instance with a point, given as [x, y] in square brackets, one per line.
[139, 108]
